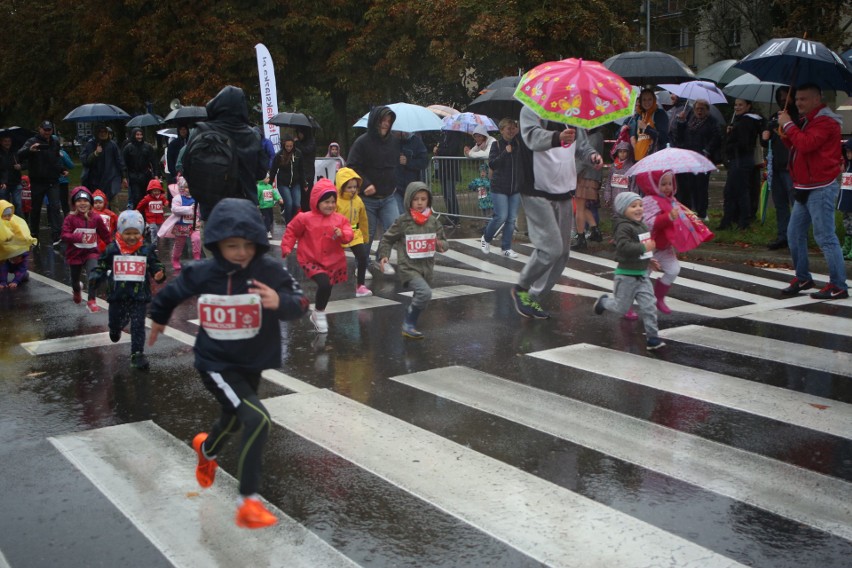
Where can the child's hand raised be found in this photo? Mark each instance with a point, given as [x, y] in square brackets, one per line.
[337, 233]
[268, 297]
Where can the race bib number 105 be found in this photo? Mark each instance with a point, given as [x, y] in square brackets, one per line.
[420, 246]
[230, 317]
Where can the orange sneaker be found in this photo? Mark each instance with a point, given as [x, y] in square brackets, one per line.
[253, 515]
[205, 472]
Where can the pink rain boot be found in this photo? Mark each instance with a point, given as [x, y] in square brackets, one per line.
[177, 250]
[660, 291]
[631, 315]
[196, 245]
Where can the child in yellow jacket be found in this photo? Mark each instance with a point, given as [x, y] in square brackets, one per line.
[349, 205]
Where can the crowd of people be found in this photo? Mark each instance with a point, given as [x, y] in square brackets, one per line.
[553, 170]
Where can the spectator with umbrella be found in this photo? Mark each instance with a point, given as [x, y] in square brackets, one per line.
[141, 162]
[649, 129]
[413, 159]
[740, 141]
[778, 174]
[307, 145]
[103, 165]
[699, 132]
[44, 164]
[173, 151]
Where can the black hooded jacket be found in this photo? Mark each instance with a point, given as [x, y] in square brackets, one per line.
[235, 218]
[227, 113]
[45, 164]
[140, 159]
[374, 157]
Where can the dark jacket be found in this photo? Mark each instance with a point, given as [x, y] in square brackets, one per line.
[704, 138]
[628, 248]
[451, 146]
[99, 171]
[417, 158]
[172, 153]
[509, 169]
[742, 138]
[780, 152]
[137, 291]
[235, 218]
[287, 169]
[139, 159]
[227, 113]
[375, 157]
[45, 164]
[9, 176]
[308, 147]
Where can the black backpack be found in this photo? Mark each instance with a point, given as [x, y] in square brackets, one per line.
[210, 166]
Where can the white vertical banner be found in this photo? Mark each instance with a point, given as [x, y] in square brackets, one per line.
[268, 94]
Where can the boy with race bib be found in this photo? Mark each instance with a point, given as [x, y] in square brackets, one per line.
[126, 264]
[242, 295]
[80, 231]
[417, 235]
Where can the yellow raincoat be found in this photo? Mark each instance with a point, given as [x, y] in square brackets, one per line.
[353, 209]
[15, 238]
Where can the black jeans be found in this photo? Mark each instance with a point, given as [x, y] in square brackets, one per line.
[40, 189]
[121, 313]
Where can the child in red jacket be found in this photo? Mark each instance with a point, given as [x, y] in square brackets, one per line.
[320, 233]
[153, 207]
[80, 231]
[109, 218]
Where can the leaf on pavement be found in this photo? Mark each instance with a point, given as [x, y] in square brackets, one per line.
[818, 406]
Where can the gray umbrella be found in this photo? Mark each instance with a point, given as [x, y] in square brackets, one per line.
[750, 88]
[186, 115]
[143, 120]
[649, 68]
[96, 112]
[721, 72]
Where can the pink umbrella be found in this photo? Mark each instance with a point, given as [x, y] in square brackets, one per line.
[443, 110]
[678, 160]
[576, 92]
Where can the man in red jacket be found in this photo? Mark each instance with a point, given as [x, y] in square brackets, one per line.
[814, 166]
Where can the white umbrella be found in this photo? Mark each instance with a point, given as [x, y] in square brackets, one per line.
[678, 160]
[409, 118]
[693, 90]
[443, 110]
[750, 88]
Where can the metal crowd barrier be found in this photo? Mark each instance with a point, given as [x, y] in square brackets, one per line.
[454, 192]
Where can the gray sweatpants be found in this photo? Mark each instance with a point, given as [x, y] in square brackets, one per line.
[638, 288]
[422, 292]
[549, 224]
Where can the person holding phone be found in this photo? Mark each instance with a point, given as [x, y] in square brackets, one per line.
[44, 164]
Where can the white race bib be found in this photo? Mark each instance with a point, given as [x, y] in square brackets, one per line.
[846, 181]
[267, 195]
[230, 317]
[155, 207]
[129, 268]
[89, 238]
[619, 181]
[643, 238]
[420, 246]
[106, 222]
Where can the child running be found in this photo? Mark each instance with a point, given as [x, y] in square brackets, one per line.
[184, 223]
[231, 350]
[110, 219]
[320, 233]
[267, 197]
[81, 230]
[153, 207]
[417, 235]
[350, 205]
[126, 264]
[633, 251]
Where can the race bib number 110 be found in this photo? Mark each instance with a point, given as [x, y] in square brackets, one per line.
[230, 317]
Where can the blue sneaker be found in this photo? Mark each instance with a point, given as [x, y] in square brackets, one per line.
[527, 306]
[654, 343]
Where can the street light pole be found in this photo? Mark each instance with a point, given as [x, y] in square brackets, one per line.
[647, 25]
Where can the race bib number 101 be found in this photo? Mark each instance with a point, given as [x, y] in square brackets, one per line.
[230, 317]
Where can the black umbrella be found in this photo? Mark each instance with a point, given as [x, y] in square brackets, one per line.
[497, 104]
[796, 61]
[96, 112]
[293, 119]
[649, 68]
[503, 82]
[143, 120]
[186, 115]
[17, 134]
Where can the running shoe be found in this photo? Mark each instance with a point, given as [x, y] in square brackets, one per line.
[253, 515]
[92, 306]
[797, 286]
[830, 292]
[205, 471]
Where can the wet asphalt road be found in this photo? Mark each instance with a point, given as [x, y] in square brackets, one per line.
[54, 516]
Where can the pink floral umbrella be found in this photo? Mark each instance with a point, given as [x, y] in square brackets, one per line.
[678, 160]
[576, 92]
[467, 122]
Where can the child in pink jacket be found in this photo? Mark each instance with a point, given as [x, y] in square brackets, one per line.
[320, 233]
[80, 231]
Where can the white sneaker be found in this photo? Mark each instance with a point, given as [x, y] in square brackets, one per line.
[486, 248]
[388, 269]
[269, 235]
[368, 275]
[510, 253]
[319, 321]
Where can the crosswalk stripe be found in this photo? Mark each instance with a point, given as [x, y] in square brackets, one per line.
[286, 381]
[799, 409]
[73, 343]
[542, 520]
[805, 320]
[148, 475]
[444, 292]
[796, 493]
[816, 358]
[3, 562]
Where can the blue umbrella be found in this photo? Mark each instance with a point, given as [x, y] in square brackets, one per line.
[409, 118]
[96, 112]
[795, 61]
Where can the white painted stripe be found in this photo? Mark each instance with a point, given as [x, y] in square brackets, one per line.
[793, 492]
[225, 388]
[805, 320]
[542, 520]
[148, 475]
[817, 358]
[356, 304]
[452, 291]
[3, 562]
[800, 409]
[64, 287]
[73, 343]
[286, 381]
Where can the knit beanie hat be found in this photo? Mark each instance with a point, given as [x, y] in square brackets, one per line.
[130, 219]
[81, 193]
[623, 200]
